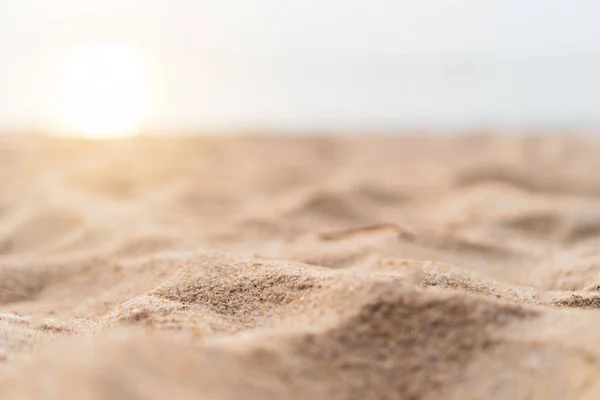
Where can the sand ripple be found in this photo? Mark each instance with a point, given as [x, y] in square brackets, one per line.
[346, 268]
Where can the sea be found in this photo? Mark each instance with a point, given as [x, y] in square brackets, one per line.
[390, 92]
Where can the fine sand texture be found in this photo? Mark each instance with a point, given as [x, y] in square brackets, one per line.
[253, 267]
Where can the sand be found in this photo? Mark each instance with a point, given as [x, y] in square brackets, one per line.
[311, 268]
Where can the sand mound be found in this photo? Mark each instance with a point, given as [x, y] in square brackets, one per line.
[409, 268]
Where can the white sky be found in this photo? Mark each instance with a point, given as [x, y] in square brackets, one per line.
[189, 40]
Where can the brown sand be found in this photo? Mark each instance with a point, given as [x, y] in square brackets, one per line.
[311, 268]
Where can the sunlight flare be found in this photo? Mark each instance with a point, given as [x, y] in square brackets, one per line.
[103, 91]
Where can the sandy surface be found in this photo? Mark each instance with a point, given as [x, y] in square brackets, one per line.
[314, 268]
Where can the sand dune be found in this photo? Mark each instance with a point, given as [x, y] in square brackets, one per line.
[335, 268]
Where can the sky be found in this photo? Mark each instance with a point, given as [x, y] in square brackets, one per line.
[236, 63]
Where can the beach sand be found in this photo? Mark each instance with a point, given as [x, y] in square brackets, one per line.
[300, 267]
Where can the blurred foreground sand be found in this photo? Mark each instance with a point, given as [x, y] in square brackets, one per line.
[334, 268]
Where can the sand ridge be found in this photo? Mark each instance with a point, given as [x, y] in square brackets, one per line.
[300, 267]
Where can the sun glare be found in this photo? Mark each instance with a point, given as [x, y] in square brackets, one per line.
[103, 91]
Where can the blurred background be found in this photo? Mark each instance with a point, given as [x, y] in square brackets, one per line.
[117, 67]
